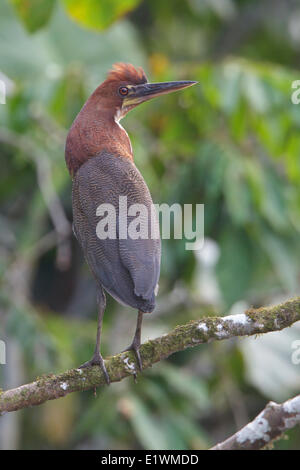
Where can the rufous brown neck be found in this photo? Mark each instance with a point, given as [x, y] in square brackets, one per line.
[93, 131]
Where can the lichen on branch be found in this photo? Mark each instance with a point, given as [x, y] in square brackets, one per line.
[269, 425]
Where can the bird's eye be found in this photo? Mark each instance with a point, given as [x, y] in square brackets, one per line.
[123, 90]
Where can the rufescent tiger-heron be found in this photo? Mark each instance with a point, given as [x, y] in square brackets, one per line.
[99, 157]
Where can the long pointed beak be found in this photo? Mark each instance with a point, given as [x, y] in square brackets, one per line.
[140, 93]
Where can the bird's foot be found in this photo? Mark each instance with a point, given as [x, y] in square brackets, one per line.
[136, 349]
[97, 360]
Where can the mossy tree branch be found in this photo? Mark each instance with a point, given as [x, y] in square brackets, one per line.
[252, 322]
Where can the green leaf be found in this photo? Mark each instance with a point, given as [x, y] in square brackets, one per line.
[235, 265]
[273, 205]
[231, 87]
[236, 191]
[268, 363]
[34, 14]
[193, 388]
[98, 14]
[255, 93]
[146, 426]
[283, 259]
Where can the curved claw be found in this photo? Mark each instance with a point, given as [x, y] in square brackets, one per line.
[97, 360]
[136, 350]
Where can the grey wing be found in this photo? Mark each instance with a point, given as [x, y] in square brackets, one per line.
[127, 268]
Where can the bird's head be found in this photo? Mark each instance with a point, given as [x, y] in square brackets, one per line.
[127, 86]
[95, 129]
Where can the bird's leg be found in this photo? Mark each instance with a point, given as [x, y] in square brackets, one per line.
[136, 343]
[97, 358]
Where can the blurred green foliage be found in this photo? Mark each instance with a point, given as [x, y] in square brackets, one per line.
[232, 142]
[34, 13]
